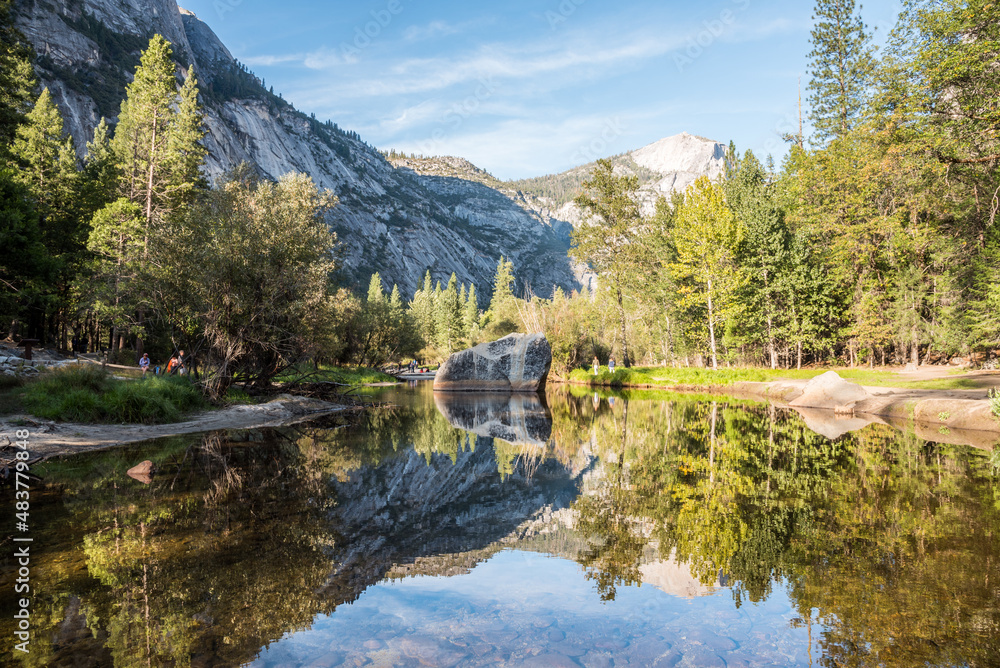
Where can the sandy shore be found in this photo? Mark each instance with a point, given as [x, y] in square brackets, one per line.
[960, 417]
[49, 439]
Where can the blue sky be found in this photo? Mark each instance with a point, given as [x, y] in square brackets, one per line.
[529, 88]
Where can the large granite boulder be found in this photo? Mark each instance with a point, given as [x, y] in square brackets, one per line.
[520, 419]
[515, 363]
[832, 392]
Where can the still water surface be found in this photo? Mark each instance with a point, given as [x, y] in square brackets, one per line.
[605, 530]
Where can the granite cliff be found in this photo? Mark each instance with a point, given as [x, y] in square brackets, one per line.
[400, 218]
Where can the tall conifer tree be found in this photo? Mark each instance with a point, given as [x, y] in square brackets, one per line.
[840, 64]
[17, 77]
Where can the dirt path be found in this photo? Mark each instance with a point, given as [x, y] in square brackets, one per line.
[49, 439]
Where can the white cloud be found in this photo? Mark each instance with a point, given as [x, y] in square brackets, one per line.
[269, 61]
[416, 33]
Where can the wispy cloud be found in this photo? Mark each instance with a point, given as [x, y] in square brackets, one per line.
[433, 29]
[270, 61]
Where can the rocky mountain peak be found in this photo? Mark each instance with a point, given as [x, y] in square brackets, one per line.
[683, 153]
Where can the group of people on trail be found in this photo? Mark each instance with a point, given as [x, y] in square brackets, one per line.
[175, 366]
[597, 365]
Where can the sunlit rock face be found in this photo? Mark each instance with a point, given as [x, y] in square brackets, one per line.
[520, 419]
[515, 363]
[390, 220]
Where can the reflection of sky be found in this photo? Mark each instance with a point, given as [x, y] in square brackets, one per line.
[524, 608]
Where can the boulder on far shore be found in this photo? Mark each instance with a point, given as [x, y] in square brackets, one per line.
[515, 363]
[832, 392]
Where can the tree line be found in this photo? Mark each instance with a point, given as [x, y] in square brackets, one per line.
[130, 249]
[874, 242]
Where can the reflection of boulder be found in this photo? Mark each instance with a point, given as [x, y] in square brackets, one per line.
[515, 363]
[830, 391]
[833, 425]
[520, 419]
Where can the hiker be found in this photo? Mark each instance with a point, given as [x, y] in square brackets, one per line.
[611, 365]
[181, 367]
[597, 365]
[144, 364]
[172, 365]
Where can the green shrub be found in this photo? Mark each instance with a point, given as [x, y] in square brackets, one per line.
[89, 394]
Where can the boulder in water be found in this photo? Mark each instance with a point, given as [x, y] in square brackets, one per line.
[515, 363]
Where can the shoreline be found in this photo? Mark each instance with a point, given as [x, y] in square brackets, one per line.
[49, 438]
[957, 417]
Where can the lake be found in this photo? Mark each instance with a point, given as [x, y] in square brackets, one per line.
[588, 529]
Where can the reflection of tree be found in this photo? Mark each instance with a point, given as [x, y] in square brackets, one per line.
[893, 540]
[221, 554]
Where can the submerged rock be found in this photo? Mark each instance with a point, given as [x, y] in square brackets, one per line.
[142, 472]
[520, 419]
[515, 363]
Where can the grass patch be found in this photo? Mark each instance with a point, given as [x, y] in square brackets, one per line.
[672, 377]
[236, 396]
[307, 373]
[88, 394]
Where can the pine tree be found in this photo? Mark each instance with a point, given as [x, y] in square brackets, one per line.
[471, 315]
[47, 166]
[609, 241]
[156, 142]
[763, 255]
[422, 309]
[501, 316]
[707, 236]
[375, 293]
[184, 148]
[17, 78]
[841, 66]
[100, 174]
[448, 316]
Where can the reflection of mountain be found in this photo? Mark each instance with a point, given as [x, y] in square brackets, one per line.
[520, 419]
[408, 508]
[674, 577]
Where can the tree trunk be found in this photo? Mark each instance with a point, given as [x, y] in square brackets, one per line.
[711, 328]
[711, 453]
[626, 361]
[770, 342]
[798, 363]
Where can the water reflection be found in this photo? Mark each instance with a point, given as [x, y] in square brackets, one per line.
[673, 529]
[519, 419]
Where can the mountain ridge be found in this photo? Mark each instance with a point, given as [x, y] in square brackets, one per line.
[396, 217]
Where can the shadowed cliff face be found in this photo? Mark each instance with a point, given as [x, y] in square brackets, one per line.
[389, 220]
[412, 507]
